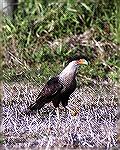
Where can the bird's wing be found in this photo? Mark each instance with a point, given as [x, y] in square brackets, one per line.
[51, 88]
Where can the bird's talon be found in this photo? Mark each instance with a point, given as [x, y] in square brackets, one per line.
[74, 113]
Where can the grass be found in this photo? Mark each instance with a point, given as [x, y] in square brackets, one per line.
[36, 45]
[43, 34]
[94, 126]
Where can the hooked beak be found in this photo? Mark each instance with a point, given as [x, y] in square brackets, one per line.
[82, 62]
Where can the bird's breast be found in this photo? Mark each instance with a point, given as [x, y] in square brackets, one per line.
[67, 82]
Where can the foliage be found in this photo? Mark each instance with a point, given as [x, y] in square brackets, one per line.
[37, 35]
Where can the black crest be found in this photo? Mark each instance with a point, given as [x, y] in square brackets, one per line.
[76, 57]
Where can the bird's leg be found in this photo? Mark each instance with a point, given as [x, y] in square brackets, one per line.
[57, 112]
[74, 113]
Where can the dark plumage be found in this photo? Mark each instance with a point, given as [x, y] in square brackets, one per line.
[59, 88]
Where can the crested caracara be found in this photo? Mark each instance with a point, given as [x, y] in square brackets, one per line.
[59, 88]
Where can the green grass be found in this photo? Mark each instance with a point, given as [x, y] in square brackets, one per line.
[41, 34]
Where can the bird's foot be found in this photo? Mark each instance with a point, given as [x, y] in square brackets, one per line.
[74, 112]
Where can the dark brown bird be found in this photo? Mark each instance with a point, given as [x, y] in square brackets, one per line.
[59, 88]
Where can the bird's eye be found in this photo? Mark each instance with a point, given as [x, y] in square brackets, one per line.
[82, 61]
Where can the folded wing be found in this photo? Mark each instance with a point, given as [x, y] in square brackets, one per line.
[50, 90]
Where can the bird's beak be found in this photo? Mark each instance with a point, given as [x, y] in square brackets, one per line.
[82, 61]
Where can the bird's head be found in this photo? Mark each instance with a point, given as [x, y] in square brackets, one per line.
[71, 68]
[76, 63]
[81, 62]
[77, 60]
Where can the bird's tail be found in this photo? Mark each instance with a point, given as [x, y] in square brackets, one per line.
[36, 106]
[32, 107]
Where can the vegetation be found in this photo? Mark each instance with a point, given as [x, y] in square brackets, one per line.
[93, 127]
[36, 44]
[42, 35]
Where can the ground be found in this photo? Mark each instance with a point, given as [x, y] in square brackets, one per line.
[36, 45]
[94, 127]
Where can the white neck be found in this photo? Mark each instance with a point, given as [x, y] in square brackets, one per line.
[70, 70]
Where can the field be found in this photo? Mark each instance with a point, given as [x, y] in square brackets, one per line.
[93, 127]
[37, 43]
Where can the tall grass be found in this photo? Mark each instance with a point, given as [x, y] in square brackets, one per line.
[38, 24]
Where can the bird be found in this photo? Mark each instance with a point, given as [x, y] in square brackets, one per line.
[59, 88]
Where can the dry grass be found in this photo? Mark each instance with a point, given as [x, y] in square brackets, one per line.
[94, 127]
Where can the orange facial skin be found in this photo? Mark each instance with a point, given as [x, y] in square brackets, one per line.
[82, 62]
